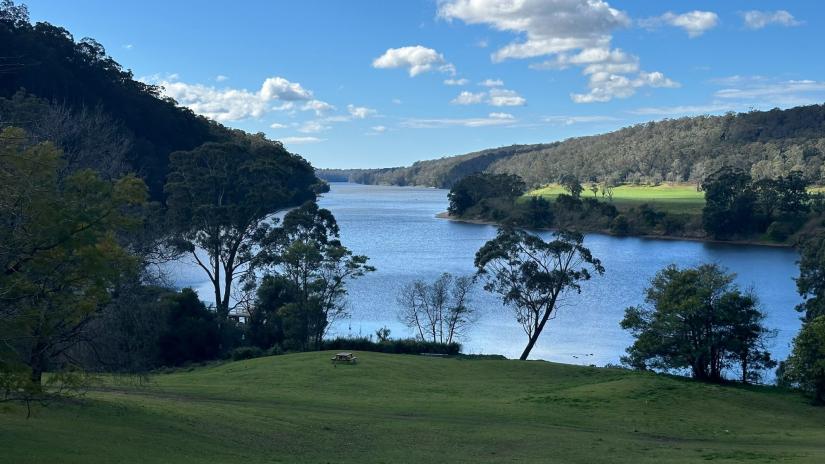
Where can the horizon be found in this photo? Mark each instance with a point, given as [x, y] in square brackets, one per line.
[431, 79]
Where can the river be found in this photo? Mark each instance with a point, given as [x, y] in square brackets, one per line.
[397, 228]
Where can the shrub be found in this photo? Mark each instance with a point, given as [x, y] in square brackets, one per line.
[397, 346]
[620, 225]
[246, 352]
[779, 231]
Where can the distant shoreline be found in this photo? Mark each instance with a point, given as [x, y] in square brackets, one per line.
[447, 216]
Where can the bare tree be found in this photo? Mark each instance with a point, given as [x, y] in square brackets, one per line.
[439, 311]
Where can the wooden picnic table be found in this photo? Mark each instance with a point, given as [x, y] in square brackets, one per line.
[344, 357]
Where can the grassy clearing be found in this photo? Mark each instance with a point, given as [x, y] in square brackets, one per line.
[398, 408]
[672, 198]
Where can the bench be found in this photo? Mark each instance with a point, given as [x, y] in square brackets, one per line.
[347, 358]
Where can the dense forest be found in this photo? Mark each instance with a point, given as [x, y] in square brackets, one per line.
[767, 144]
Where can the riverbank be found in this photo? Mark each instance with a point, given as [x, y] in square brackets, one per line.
[447, 216]
[298, 408]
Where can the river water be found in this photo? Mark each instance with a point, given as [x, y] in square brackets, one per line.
[398, 229]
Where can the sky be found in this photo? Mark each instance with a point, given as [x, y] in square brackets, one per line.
[364, 84]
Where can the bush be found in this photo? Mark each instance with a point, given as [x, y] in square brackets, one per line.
[399, 346]
[779, 231]
[246, 352]
[620, 225]
[275, 351]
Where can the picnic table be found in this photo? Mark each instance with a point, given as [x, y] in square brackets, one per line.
[344, 357]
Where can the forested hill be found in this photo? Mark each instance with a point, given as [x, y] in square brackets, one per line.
[765, 143]
[71, 92]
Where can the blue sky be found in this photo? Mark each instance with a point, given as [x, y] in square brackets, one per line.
[386, 83]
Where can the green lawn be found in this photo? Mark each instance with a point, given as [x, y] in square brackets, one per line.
[396, 408]
[675, 198]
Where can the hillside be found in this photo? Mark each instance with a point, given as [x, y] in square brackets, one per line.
[766, 143]
[398, 408]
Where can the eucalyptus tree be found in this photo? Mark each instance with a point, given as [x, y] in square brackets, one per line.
[221, 200]
[440, 311]
[534, 276]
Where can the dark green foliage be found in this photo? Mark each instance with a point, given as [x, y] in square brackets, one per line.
[729, 203]
[697, 319]
[530, 275]
[192, 333]
[805, 367]
[811, 280]
[47, 62]
[471, 191]
[246, 352]
[536, 213]
[264, 327]
[395, 346]
[571, 184]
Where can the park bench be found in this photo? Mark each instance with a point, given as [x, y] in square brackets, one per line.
[344, 358]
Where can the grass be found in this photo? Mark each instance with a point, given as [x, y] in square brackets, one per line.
[672, 198]
[399, 408]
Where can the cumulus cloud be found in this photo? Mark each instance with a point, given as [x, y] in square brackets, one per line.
[416, 59]
[570, 120]
[468, 98]
[228, 104]
[491, 83]
[461, 81]
[568, 32]
[312, 127]
[360, 112]
[277, 125]
[695, 23]
[755, 19]
[319, 107]
[221, 78]
[495, 97]
[493, 119]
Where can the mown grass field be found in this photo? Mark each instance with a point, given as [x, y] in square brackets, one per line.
[672, 198]
[395, 408]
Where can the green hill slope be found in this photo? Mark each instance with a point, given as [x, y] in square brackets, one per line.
[394, 408]
[765, 143]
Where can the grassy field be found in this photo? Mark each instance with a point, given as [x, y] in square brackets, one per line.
[675, 198]
[395, 408]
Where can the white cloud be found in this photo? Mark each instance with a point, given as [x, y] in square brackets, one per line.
[417, 59]
[683, 109]
[755, 19]
[770, 93]
[128, 46]
[572, 32]
[695, 23]
[468, 98]
[456, 81]
[318, 106]
[605, 86]
[221, 78]
[396, 101]
[360, 112]
[491, 83]
[504, 97]
[277, 125]
[549, 26]
[570, 120]
[312, 127]
[493, 119]
[300, 140]
[228, 104]
[375, 130]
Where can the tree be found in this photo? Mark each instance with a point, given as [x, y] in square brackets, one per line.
[533, 276]
[805, 367]
[221, 199]
[594, 187]
[440, 311]
[474, 189]
[265, 326]
[191, 333]
[729, 203]
[59, 253]
[571, 184]
[697, 319]
[306, 252]
[811, 281]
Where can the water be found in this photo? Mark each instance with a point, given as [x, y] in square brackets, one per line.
[397, 228]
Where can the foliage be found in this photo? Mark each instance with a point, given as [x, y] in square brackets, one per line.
[472, 190]
[311, 266]
[440, 311]
[395, 346]
[811, 280]
[698, 320]
[192, 333]
[533, 276]
[805, 367]
[221, 197]
[246, 352]
[59, 252]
